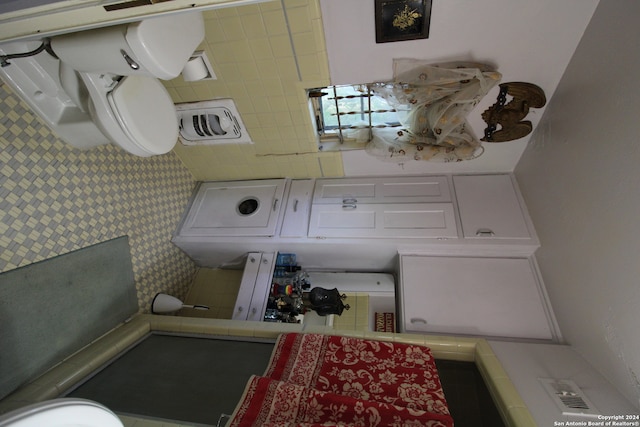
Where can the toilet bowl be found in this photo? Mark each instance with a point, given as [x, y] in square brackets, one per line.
[63, 412]
[107, 87]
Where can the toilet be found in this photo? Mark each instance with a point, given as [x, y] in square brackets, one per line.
[65, 412]
[103, 86]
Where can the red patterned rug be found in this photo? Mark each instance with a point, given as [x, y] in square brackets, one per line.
[317, 379]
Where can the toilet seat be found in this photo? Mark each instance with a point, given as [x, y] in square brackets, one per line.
[145, 113]
[65, 412]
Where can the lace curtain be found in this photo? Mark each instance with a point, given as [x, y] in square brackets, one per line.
[432, 101]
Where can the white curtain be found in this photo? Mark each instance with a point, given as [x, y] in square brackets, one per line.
[432, 101]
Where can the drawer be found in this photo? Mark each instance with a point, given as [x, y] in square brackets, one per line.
[251, 302]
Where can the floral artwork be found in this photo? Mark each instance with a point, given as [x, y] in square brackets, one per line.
[407, 18]
[399, 20]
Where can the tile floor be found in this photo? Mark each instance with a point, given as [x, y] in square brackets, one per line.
[55, 199]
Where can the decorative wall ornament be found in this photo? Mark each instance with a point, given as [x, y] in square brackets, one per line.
[398, 20]
[509, 116]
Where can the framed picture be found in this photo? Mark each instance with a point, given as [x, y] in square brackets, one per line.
[399, 20]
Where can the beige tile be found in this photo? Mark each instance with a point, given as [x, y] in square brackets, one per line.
[296, 3]
[270, 5]
[247, 71]
[226, 12]
[268, 67]
[249, 9]
[241, 50]
[287, 69]
[281, 46]
[274, 22]
[304, 43]
[214, 32]
[253, 26]
[298, 19]
[261, 50]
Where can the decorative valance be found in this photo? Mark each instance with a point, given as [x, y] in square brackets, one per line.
[432, 102]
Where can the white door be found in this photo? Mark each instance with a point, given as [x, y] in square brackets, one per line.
[408, 189]
[236, 208]
[296, 214]
[490, 207]
[401, 220]
[476, 296]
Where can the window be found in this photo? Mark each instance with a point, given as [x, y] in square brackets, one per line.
[346, 114]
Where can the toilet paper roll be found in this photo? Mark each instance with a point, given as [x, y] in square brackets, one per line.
[195, 70]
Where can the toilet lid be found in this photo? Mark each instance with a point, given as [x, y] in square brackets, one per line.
[61, 413]
[146, 113]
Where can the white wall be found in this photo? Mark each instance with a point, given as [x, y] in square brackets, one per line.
[529, 41]
[581, 181]
[525, 363]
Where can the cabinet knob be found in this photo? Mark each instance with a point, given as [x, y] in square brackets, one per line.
[417, 320]
[295, 205]
[349, 206]
[275, 204]
[240, 309]
[349, 201]
[485, 232]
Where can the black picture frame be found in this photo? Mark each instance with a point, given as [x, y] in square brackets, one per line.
[400, 20]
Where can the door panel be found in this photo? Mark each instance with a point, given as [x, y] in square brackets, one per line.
[409, 189]
[406, 220]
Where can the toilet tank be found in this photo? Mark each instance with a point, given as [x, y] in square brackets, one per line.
[160, 47]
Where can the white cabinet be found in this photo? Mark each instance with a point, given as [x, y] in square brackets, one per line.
[251, 302]
[396, 207]
[485, 296]
[235, 208]
[297, 210]
[490, 208]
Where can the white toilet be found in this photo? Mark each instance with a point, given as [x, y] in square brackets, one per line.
[106, 82]
[63, 412]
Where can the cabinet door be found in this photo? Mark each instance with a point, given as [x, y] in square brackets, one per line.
[263, 286]
[498, 297]
[401, 220]
[490, 208]
[236, 208]
[251, 302]
[409, 189]
[247, 286]
[296, 215]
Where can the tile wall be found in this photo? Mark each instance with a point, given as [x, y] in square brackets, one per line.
[357, 317]
[264, 56]
[55, 199]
